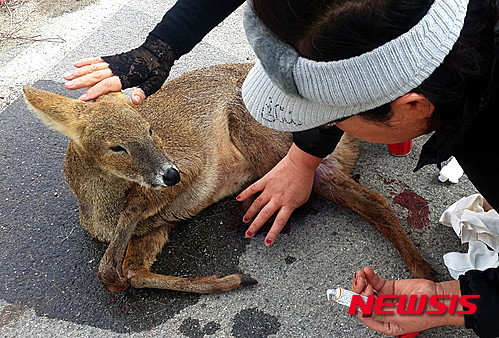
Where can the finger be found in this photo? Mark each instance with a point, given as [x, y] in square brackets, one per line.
[264, 209]
[138, 96]
[380, 323]
[368, 290]
[380, 326]
[359, 282]
[377, 282]
[251, 190]
[111, 84]
[279, 223]
[89, 79]
[255, 207]
[85, 70]
[87, 61]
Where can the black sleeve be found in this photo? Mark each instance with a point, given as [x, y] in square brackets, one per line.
[188, 21]
[319, 141]
[485, 321]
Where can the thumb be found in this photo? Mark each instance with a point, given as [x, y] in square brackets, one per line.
[138, 96]
[374, 280]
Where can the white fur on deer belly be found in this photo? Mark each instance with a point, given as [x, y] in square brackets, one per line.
[231, 181]
[233, 171]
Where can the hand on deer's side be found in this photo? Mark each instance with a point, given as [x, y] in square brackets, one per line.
[95, 73]
[367, 282]
[286, 187]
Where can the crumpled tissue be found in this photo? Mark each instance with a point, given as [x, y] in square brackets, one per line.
[472, 224]
[452, 171]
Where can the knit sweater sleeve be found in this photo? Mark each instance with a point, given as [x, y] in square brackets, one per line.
[188, 21]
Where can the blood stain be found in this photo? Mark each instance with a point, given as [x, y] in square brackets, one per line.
[418, 208]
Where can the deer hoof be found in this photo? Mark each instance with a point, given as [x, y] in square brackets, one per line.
[247, 280]
[425, 271]
[112, 279]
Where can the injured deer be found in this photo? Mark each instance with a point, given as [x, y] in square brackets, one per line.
[136, 171]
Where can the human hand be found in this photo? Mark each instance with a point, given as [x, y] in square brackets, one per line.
[94, 73]
[367, 282]
[147, 67]
[286, 187]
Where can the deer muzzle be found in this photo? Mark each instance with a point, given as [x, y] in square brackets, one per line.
[167, 177]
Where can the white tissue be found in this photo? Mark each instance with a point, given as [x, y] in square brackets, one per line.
[452, 172]
[478, 257]
[472, 224]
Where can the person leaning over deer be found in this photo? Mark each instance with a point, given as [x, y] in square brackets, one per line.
[384, 71]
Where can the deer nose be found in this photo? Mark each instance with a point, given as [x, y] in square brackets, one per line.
[171, 177]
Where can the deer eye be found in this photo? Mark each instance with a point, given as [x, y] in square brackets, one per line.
[150, 132]
[118, 149]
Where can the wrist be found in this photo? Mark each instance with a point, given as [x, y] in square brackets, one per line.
[451, 288]
[305, 162]
[163, 52]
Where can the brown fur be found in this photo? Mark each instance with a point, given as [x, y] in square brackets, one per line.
[202, 128]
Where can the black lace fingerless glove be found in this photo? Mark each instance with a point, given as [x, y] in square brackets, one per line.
[146, 67]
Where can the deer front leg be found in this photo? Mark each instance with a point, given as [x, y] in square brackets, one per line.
[110, 272]
[340, 188]
[141, 253]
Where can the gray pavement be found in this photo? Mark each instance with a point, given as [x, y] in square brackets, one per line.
[49, 286]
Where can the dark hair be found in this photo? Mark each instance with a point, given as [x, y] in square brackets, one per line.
[329, 30]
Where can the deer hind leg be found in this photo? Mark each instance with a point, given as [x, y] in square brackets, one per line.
[337, 186]
[141, 254]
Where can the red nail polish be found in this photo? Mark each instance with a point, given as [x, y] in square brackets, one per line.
[245, 220]
[249, 233]
[268, 241]
[238, 197]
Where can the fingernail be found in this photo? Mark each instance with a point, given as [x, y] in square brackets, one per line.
[249, 234]
[137, 98]
[238, 197]
[245, 220]
[70, 84]
[68, 75]
[365, 287]
[83, 97]
[268, 241]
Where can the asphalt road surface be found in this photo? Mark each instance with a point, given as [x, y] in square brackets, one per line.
[49, 285]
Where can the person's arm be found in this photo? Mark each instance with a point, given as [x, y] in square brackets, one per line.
[148, 66]
[188, 21]
[367, 282]
[320, 141]
[484, 321]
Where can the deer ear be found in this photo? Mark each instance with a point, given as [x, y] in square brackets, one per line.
[63, 114]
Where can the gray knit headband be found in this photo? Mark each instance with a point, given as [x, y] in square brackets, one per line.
[285, 91]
